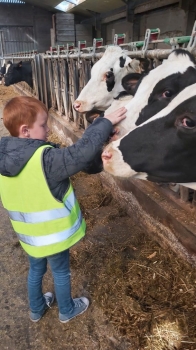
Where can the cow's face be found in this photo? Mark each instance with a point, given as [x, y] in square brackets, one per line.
[13, 73]
[105, 82]
[162, 149]
[158, 88]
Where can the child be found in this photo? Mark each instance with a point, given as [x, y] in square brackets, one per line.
[37, 193]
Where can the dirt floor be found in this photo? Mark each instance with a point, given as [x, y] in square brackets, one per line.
[141, 296]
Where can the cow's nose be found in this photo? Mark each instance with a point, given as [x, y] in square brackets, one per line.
[106, 155]
[77, 105]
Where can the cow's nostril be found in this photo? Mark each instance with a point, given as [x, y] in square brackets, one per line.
[77, 105]
[106, 155]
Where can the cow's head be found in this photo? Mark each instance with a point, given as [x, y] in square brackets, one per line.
[105, 82]
[162, 149]
[157, 89]
[13, 73]
[3, 69]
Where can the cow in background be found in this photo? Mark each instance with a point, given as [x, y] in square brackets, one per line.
[105, 82]
[2, 72]
[17, 72]
[160, 148]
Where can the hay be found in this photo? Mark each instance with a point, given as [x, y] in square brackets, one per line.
[6, 93]
[165, 336]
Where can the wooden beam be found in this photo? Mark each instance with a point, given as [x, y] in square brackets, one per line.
[152, 5]
[114, 17]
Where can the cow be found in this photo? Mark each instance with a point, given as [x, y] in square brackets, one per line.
[3, 70]
[129, 83]
[2, 73]
[105, 82]
[156, 90]
[17, 72]
[160, 148]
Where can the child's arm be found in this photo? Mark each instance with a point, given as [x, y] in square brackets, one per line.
[62, 163]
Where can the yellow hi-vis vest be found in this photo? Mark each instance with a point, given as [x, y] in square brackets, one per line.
[43, 224]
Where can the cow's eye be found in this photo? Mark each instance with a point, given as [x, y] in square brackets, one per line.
[188, 123]
[109, 74]
[167, 93]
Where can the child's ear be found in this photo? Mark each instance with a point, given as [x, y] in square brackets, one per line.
[24, 131]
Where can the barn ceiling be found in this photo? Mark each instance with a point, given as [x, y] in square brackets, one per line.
[83, 6]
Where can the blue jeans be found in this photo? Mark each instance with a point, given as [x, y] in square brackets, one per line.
[59, 264]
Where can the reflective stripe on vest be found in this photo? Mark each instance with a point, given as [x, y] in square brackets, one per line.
[45, 215]
[53, 238]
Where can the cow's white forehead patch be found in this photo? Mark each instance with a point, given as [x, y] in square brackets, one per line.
[108, 60]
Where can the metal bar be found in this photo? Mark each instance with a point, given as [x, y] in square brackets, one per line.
[1, 44]
[43, 68]
[35, 77]
[56, 84]
[39, 77]
[157, 53]
[51, 84]
[65, 86]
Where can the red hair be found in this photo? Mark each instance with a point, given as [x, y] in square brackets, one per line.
[21, 110]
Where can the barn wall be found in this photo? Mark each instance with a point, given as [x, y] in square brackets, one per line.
[65, 28]
[29, 20]
[172, 21]
[68, 30]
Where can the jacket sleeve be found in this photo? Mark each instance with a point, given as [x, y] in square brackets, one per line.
[95, 166]
[61, 163]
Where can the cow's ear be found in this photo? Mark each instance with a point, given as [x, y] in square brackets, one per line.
[144, 64]
[135, 66]
[122, 61]
[20, 64]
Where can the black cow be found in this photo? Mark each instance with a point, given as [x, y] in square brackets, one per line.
[17, 72]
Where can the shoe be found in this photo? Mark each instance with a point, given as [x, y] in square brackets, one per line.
[49, 298]
[80, 306]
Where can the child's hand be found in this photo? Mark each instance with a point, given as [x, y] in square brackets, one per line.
[116, 116]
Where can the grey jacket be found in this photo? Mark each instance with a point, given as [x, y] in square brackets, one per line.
[59, 163]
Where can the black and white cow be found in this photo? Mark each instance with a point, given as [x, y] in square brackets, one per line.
[17, 72]
[106, 77]
[160, 149]
[156, 90]
[2, 73]
[129, 83]
[3, 70]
